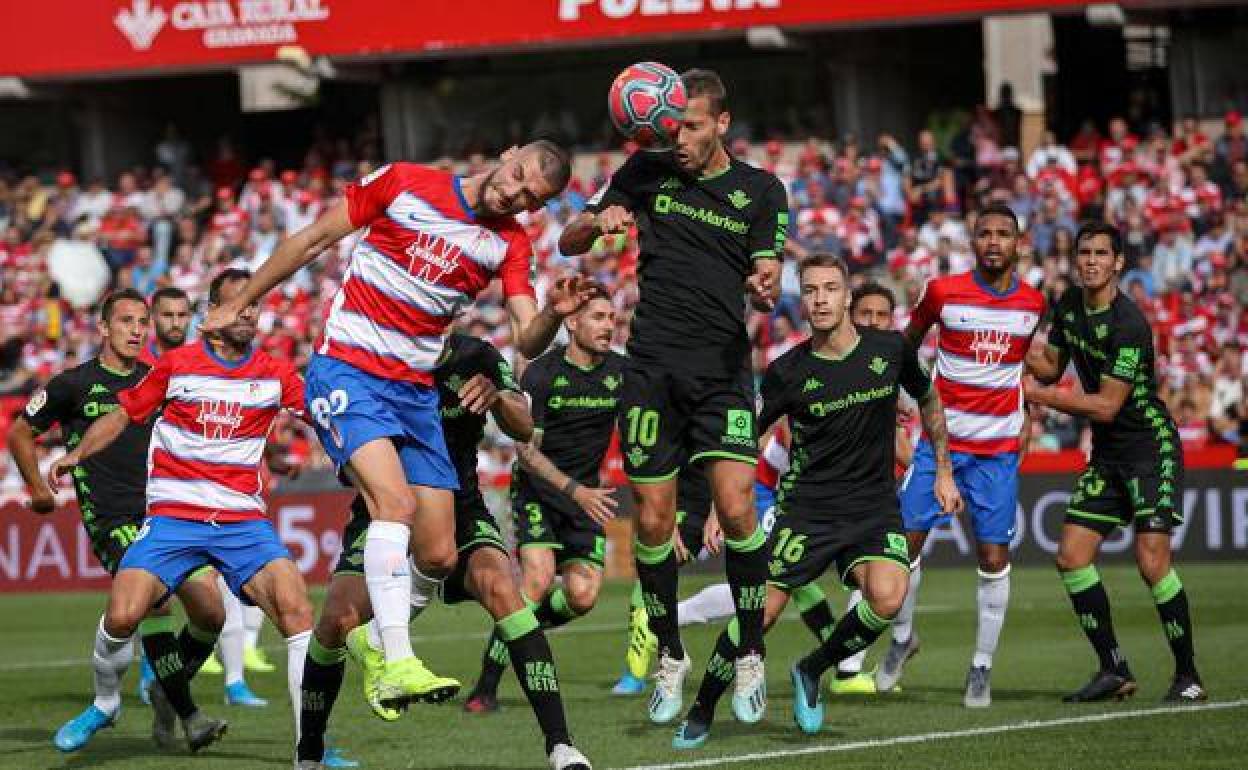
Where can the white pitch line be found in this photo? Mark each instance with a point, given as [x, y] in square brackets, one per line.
[940, 736]
[458, 636]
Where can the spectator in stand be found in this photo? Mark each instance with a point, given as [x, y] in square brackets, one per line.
[928, 179]
[1051, 218]
[1172, 259]
[121, 233]
[1049, 151]
[1232, 146]
[161, 205]
[1008, 117]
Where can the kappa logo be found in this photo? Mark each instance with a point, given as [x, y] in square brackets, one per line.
[671, 183]
[560, 382]
[431, 257]
[812, 383]
[141, 23]
[739, 199]
[990, 346]
[219, 419]
[97, 390]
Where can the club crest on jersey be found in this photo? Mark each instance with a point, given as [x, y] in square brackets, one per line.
[432, 257]
[990, 346]
[219, 419]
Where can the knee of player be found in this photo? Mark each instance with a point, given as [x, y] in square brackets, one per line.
[1153, 567]
[1067, 561]
[438, 561]
[886, 601]
[537, 583]
[995, 564]
[397, 505]
[210, 618]
[334, 625]
[122, 617]
[294, 616]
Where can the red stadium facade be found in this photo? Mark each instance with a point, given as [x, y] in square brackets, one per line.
[128, 36]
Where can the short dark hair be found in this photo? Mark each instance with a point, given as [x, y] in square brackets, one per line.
[998, 210]
[169, 292]
[873, 289]
[1091, 228]
[704, 82]
[225, 276]
[554, 161]
[823, 260]
[110, 302]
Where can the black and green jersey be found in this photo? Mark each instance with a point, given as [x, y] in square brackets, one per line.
[843, 417]
[111, 484]
[575, 410]
[699, 240]
[1115, 341]
[464, 357]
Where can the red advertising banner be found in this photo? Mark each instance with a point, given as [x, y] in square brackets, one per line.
[53, 553]
[59, 38]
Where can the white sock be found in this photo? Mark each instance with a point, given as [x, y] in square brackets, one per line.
[903, 624]
[253, 619]
[296, 651]
[389, 580]
[110, 658]
[424, 590]
[707, 606]
[992, 596]
[374, 634]
[852, 664]
[230, 643]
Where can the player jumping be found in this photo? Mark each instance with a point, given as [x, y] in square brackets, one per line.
[432, 241]
[712, 228]
[1135, 475]
[986, 319]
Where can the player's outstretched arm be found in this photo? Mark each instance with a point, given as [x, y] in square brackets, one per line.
[98, 437]
[290, 255]
[597, 503]
[587, 227]
[22, 447]
[533, 329]
[1101, 406]
[932, 413]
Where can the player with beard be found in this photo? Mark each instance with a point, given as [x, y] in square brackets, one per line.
[1135, 475]
[836, 505]
[574, 391]
[217, 402]
[712, 228]
[473, 380]
[432, 241]
[171, 318]
[986, 318]
[111, 499]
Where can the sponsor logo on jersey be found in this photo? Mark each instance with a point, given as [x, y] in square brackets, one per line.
[219, 419]
[581, 402]
[990, 346]
[431, 257]
[824, 408]
[666, 204]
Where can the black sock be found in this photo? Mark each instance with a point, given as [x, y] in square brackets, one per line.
[553, 610]
[720, 670]
[815, 611]
[322, 678]
[493, 663]
[1176, 621]
[855, 632]
[659, 574]
[746, 566]
[535, 668]
[196, 645]
[1091, 603]
[165, 653]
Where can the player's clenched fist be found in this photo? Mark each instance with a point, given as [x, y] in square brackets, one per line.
[613, 220]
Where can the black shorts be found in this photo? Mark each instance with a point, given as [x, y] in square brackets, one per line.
[110, 537]
[804, 543]
[668, 419]
[1147, 495]
[542, 521]
[475, 528]
[693, 507]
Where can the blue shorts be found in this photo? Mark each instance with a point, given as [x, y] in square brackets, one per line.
[989, 486]
[171, 549]
[351, 408]
[764, 503]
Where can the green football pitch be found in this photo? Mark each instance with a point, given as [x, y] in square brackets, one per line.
[45, 678]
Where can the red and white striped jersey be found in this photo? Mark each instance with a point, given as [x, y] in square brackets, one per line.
[423, 258]
[984, 337]
[208, 444]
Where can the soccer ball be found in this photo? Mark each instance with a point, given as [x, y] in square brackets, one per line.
[647, 104]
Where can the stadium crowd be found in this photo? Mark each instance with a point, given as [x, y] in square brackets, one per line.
[900, 213]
